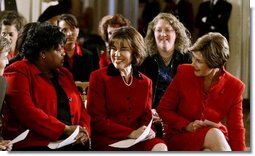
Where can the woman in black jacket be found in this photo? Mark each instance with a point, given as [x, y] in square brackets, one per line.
[167, 42]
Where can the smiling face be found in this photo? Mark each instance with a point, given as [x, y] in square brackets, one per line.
[120, 54]
[164, 36]
[201, 68]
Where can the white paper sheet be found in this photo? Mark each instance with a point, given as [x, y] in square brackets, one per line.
[20, 137]
[130, 142]
[67, 141]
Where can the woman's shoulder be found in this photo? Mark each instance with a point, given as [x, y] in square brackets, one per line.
[184, 57]
[140, 75]
[21, 66]
[233, 81]
[86, 52]
[100, 72]
[149, 62]
[185, 68]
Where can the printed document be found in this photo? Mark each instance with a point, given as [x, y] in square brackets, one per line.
[130, 142]
[67, 141]
[21, 137]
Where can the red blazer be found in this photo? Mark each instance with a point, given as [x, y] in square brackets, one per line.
[185, 101]
[31, 103]
[116, 109]
[104, 61]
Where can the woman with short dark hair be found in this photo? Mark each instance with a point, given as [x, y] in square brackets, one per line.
[79, 61]
[119, 97]
[46, 101]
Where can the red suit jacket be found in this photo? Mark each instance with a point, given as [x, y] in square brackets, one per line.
[116, 109]
[31, 103]
[185, 101]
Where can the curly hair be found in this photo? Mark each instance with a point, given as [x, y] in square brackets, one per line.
[22, 35]
[135, 42]
[182, 42]
[40, 37]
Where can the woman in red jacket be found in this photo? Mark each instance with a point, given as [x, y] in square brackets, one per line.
[120, 97]
[42, 95]
[200, 97]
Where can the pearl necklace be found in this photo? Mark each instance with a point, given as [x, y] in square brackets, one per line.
[131, 81]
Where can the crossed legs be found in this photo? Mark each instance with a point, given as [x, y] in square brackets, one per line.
[215, 141]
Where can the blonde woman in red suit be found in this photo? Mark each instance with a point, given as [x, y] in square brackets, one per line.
[120, 97]
[200, 97]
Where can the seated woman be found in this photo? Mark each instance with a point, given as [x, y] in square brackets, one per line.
[79, 61]
[109, 26]
[200, 97]
[5, 47]
[120, 97]
[46, 100]
[167, 42]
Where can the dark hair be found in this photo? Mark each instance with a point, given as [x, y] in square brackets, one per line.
[69, 19]
[40, 37]
[22, 35]
[63, 6]
[13, 18]
[116, 21]
[135, 42]
[20, 40]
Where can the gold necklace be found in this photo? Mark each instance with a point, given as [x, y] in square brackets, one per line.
[128, 84]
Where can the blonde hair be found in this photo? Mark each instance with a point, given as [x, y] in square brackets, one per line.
[182, 42]
[214, 48]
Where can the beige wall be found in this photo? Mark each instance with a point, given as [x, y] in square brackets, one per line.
[239, 27]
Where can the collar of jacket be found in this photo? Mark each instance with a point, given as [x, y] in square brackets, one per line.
[112, 71]
[35, 70]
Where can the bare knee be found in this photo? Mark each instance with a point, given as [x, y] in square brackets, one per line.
[159, 147]
[216, 141]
